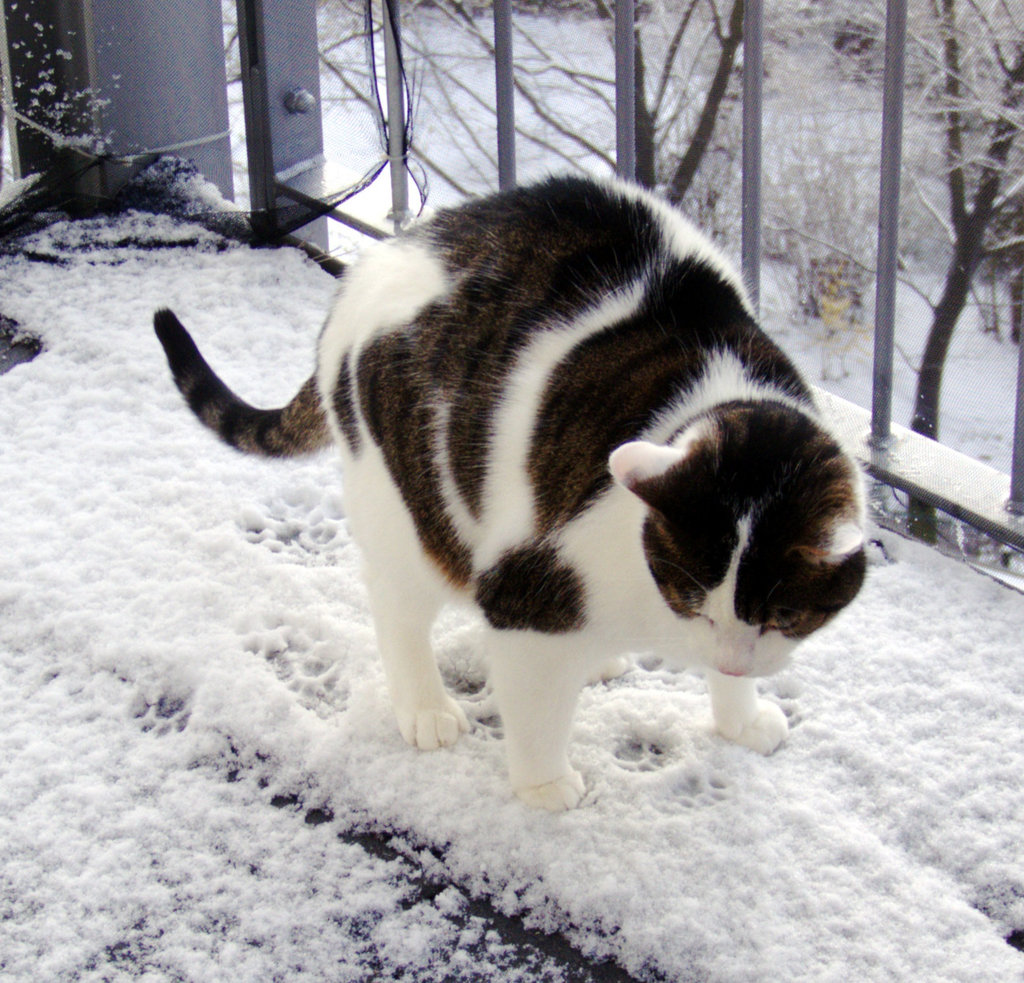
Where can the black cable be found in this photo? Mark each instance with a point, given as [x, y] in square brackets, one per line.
[383, 124]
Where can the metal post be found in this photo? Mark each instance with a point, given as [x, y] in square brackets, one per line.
[281, 97]
[888, 221]
[753, 62]
[396, 114]
[1016, 502]
[504, 85]
[258, 137]
[625, 89]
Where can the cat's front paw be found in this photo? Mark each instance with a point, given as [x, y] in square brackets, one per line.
[764, 733]
[557, 796]
[431, 728]
[609, 670]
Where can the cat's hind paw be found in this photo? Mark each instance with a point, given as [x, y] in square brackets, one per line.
[764, 733]
[431, 728]
[558, 796]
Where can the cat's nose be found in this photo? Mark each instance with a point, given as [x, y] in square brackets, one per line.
[736, 644]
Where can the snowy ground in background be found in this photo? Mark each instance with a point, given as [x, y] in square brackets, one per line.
[184, 638]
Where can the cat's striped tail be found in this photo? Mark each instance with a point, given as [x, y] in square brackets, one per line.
[300, 427]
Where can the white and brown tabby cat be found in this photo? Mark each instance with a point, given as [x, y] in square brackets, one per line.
[556, 401]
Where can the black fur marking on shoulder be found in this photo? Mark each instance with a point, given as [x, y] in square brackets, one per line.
[571, 236]
[531, 589]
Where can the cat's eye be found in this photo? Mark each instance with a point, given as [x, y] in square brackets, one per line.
[781, 621]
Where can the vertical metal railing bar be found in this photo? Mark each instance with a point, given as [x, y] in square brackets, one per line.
[753, 62]
[259, 145]
[505, 94]
[625, 89]
[396, 114]
[888, 222]
[1016, 502]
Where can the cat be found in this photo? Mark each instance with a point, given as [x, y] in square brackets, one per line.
[556, 402]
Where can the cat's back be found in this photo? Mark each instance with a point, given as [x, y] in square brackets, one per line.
[472, 288]
[546, 251]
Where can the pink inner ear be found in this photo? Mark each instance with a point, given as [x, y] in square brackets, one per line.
[640, 460]
[847, 538]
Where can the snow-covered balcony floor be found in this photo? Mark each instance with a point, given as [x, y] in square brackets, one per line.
[185, 644]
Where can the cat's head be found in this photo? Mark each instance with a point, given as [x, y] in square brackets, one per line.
[753, 532]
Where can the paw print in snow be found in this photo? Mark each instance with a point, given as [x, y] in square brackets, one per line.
[307, 525]
[636, 754]
[697, 788]
[169, 712]
[308, 666]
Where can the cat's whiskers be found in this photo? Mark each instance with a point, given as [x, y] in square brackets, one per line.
[768, 596]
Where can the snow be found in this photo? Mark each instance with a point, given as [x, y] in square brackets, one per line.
[184, 640]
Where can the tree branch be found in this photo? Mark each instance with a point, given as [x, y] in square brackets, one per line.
[670, 58]
[686, 170]
[954, 117]
[933, 210]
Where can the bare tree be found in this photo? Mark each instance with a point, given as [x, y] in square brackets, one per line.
[728, 44]
[685, 54]
[977, 47]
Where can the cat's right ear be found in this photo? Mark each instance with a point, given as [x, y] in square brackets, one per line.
[639, 461]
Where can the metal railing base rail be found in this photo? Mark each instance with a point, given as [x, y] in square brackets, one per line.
[928, 471]
[316, 185]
